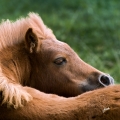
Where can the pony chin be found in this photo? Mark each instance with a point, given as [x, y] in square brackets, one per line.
[13, 95]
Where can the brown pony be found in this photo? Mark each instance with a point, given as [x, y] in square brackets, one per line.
[30, 55]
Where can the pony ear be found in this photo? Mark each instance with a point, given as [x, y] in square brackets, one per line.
[31, 40]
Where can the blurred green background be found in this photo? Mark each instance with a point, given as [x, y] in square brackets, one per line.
[90, 27]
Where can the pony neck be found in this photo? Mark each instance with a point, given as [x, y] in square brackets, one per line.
[15, 64]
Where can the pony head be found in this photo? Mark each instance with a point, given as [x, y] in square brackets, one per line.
[32, 56]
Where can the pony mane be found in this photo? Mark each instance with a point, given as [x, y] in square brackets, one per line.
[12, 33]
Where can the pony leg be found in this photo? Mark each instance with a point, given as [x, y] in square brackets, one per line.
[101, 104]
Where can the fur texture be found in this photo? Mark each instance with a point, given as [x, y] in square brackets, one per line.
[101, 104]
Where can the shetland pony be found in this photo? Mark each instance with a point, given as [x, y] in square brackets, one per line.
[30, 55]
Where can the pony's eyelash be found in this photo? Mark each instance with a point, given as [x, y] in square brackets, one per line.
[60, 61]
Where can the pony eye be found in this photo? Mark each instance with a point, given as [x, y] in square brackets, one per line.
[60, 61]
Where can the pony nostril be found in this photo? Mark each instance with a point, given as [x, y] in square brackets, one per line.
[106, 80]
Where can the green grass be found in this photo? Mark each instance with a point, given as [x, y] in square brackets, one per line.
[90, 27]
